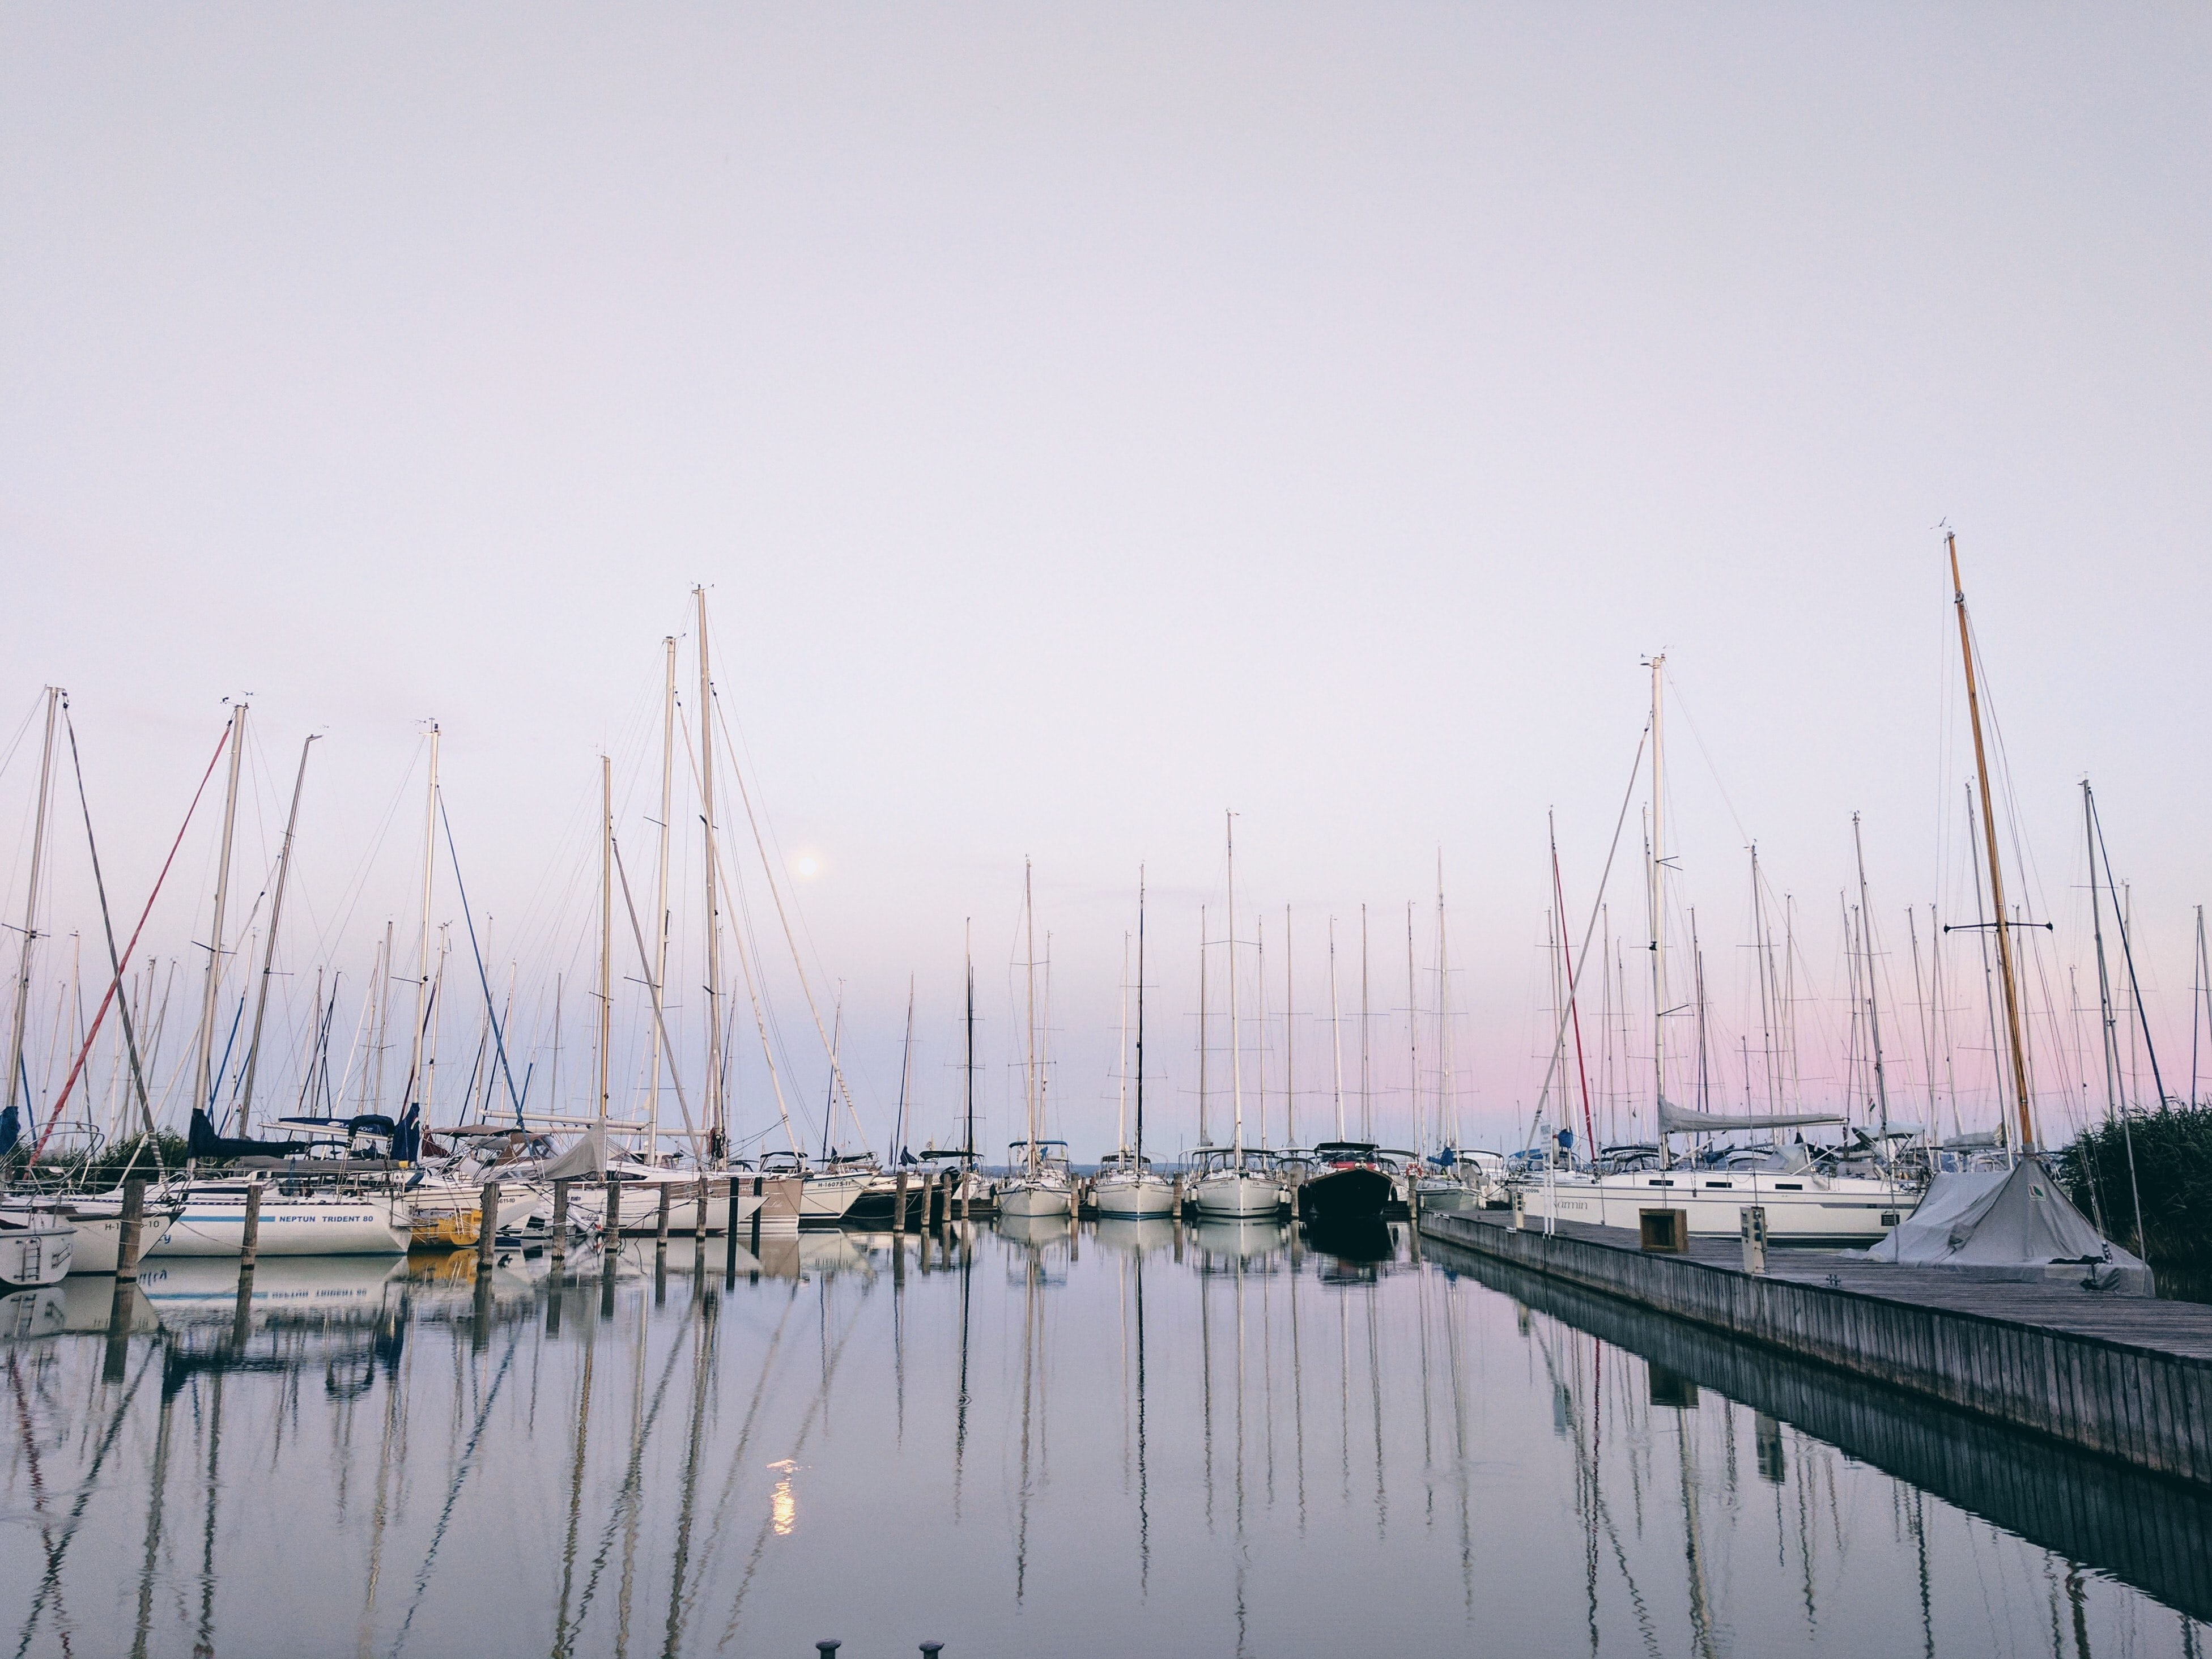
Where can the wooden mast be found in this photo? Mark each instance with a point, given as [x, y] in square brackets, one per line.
[2002, 926]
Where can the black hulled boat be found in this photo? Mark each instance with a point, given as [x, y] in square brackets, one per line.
[1348, 1184]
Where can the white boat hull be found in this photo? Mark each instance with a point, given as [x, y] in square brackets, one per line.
[1133, 1197]
[640, 1213]
[1801, 1209]
[215, 1225]
[1238, 1194]
[1023, 1197]
[823, 1200]
[99, 1234]
[35, 1256]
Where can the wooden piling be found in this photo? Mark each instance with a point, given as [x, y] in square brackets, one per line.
[486, 1225]
[898, 1205]
[559, 1235]
[250, 1244]
[661, 1226]
[610, 1227]
[126, 1243]
[730, 1252]
[702, 1191]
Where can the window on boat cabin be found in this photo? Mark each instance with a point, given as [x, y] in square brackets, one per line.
[1657, 1183]
[1720, 1183]
[1789, 1186]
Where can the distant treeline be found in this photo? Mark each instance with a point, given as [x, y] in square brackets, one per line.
[2173, 1171]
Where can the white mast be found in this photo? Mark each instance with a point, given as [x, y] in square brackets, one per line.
[1366, 1111]
[1335, 1028]
[1290, 993]
[418, 1091]
[1236, 1046]
[269, 949]
[1873, 1010]
[1658, 917]
[1202, 1138]
[606, 927]
[1447, 1097]
[660, 890]
[1412, 1029]
[30, 907]
[712, 1106]
[208, 1016]
[1029, 1021]
[1121, 1111]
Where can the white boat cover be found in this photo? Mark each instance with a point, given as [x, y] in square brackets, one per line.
[1681, 1121]
[588, 1156]
[2019, 1217]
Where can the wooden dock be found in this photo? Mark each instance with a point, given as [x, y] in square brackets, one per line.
[2128, 1377]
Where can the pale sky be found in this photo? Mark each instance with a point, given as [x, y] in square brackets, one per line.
[1089, 419]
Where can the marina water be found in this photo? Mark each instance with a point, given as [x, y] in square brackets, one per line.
[1045, 1437]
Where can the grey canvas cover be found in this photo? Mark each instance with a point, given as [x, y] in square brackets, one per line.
[1998, 1218]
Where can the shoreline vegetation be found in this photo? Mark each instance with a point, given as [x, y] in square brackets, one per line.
[2165, 1160]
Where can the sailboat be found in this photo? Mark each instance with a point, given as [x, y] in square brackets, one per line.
[1235, 1181]
[1128, 1187]
[1804, 1203]
[1040, 1184]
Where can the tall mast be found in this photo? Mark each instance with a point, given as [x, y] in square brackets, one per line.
[905, 1073]
[1412, 1029]
[661, 890]
[606, 927]
[1447, 1099]
[269, 949]
[1121, 1107]
[1029, 1019]
[2018, 1047]
[1236, 1042]
[1763, 955]
[222, 895]
[1658, 912]
[968, 1071]
[1290, 991]
[31, 912]
[1335, 1028]
[1567, 967]
[1366, 1110]
[1202, 1140]
[383, 1011]
[2116, 1104]
[1140, 1017]
[713, 1107]
[1874, 1006]
[417, 1092]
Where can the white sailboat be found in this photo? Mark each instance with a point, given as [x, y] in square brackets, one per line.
[1804, 1204]
[1128, 1187]
[1040, 1184]
[1236, 1180]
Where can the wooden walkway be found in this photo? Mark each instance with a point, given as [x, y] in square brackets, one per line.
[2128, 1377]
[2134, 1321]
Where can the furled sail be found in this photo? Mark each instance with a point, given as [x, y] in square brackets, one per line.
[1680, 1120]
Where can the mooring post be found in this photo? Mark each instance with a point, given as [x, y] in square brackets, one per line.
[898, 1205]
[126, 1242]
[730, 1242]
[933, 1649]
[610, 1226]
[760, 1192]
[250, 1244]
[661, 1226]
[825, 1648]
[560, 1228]
[703, 1195]
[487, 1225]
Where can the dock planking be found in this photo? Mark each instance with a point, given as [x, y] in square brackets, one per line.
[2129, 1378]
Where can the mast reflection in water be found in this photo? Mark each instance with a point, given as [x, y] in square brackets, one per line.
[1054, 1437]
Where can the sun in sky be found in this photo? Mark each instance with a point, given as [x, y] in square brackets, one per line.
[806, 865]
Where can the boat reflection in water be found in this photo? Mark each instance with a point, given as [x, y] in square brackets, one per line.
[1043, 1437]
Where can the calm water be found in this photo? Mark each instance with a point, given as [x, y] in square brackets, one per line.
[1132, 1439]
